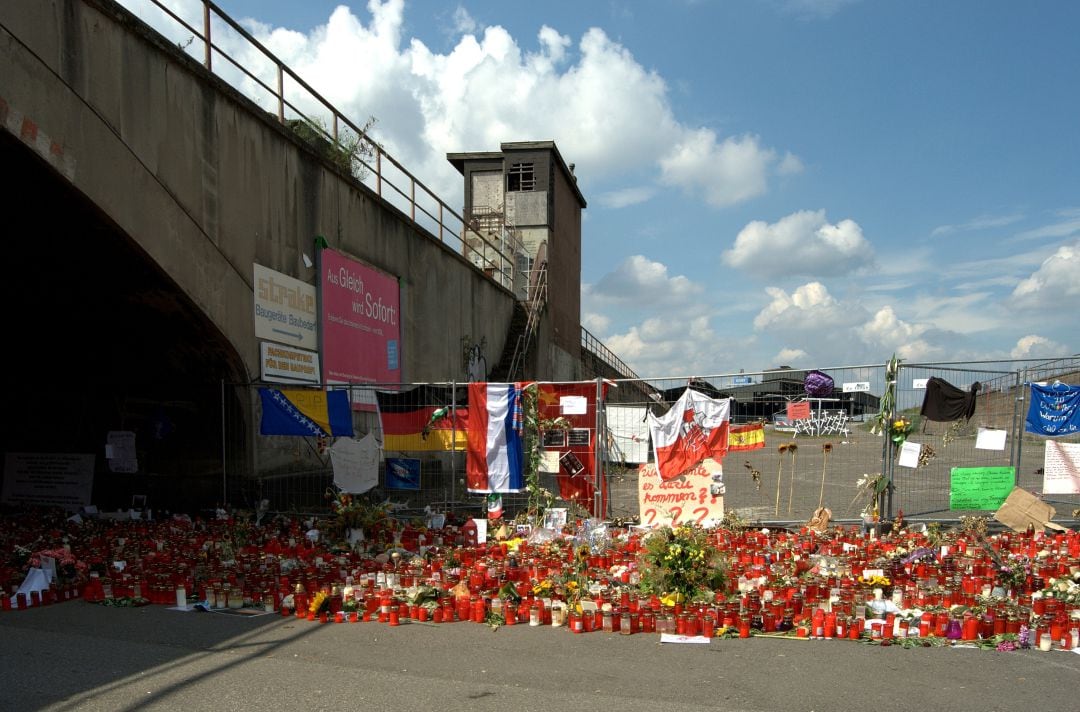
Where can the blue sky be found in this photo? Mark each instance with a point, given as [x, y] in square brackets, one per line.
[808, 183]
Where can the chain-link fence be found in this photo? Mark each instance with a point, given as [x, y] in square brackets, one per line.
[819, 442]
[1030, 450]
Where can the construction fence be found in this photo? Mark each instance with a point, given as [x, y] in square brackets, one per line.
[819, 445]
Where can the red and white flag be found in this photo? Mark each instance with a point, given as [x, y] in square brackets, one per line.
[695, 428]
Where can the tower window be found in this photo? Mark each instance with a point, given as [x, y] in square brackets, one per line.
[520, 177]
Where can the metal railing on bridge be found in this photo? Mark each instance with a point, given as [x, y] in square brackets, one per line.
[343, 141]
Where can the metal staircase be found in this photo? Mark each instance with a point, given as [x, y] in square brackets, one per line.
[523, 326]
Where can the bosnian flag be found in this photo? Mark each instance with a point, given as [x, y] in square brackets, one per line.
[493, 457]
[695, 428]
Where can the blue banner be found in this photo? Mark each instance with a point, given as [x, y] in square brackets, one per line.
[1054, 410]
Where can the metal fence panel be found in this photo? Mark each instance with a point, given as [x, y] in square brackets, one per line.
[807, 463]
[1030, 450]
[804, 464]
[923, 491]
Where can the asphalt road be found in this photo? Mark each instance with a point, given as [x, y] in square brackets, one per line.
[79, 656]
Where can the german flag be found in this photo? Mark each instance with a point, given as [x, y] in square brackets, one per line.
[746, 437]
[424, 419]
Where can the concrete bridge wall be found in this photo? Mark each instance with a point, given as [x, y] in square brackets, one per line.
[206, 184]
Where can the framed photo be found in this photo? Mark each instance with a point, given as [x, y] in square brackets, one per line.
[554, 518]
[554, 438]
[570, 462]
[402, 473]
[579, 437]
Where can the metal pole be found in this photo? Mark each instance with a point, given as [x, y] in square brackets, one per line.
[453, 444]
[207, 58]
[886, 449]
[598, 453]
[280, 94]
[224, 479]
[1018, 429]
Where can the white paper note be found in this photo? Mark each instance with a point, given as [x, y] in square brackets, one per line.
[573, 405]
[909, 454]
[990, 439]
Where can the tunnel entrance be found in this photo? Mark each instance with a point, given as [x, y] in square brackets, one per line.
[100, 339]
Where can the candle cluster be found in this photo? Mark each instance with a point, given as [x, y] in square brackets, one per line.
[926, 587]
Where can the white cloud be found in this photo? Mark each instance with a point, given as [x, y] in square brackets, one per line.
[463, 21]
[790, 357]
[789, 165]
[640, 280]
[834, 331]
[964, 313]
[809, 308]
[1035, 346]
[983, 222]
[801, 244]
[887, 333]
[598, 324]
[625, 197]
[607, 113]
[661, 346]
[1054, 284]
[725, 173]
[1067, 227]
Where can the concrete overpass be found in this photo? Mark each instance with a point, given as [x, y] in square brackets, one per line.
[137, 190]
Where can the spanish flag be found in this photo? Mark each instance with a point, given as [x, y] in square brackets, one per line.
[305, 412]
[746, 437]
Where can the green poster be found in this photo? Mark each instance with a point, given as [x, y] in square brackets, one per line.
[980, 487]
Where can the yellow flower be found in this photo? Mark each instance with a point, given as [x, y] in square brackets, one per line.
[670, 599]
[317, 601]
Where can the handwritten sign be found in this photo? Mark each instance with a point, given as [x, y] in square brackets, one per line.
[980, 487]
[1061, 468]
[798, 411]
[695, 496]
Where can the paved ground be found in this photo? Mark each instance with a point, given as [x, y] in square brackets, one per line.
[78, 656]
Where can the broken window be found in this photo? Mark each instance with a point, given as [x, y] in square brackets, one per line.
[520, 177]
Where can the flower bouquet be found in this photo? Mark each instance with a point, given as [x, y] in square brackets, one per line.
[681, 562]
[1064, 588]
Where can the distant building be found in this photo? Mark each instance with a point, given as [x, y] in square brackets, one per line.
[770, 396]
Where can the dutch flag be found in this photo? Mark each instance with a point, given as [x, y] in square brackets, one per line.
[494, 457]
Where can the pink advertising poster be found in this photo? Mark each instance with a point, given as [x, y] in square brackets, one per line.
[361, 322]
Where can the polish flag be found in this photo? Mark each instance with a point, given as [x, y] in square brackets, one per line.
[493, 461]
[695, 428]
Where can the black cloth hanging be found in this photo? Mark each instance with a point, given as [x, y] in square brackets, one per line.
[945, 403]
